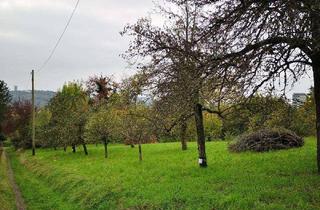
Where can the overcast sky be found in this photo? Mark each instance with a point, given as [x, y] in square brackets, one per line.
[91, 45]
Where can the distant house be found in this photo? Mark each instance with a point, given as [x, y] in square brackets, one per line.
[298, 99]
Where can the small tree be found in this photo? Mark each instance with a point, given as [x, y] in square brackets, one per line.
[69, 111]
[18, 124]
[305, 116]
[135, 126]
[43, 129]
[58, 122]
[101, 126]
[5, 98]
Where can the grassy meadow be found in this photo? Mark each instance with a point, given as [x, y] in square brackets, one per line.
[168, 178]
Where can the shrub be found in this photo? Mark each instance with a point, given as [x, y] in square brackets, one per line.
[265, 140]
[7, 143]
[2, 137]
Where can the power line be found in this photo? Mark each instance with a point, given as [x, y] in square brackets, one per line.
[60, 37]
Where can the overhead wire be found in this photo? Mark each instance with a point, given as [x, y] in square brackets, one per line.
[59, 39]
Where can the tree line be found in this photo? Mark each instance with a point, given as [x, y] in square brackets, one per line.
[103, 111]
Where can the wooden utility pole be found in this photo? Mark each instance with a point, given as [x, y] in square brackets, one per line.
[33, 117]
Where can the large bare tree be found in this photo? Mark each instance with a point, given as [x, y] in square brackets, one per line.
[176, 61]
[268, 41]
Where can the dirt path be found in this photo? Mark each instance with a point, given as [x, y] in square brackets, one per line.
[19, 200]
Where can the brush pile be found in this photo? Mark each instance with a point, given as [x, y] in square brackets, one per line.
[265, 140]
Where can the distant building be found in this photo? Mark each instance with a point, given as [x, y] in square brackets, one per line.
[298, 99]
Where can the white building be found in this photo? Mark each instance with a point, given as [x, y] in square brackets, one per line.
[299, 98]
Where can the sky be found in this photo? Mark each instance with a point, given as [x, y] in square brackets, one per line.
[92, 44]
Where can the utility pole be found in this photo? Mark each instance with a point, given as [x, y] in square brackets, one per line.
[33, 117]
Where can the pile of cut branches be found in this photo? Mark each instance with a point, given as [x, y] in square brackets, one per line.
[267, 139]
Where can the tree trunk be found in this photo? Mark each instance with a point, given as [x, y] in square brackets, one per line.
[316, 75]
[140, 152]
[73, 148]
[183, 134]
[223, 130]
[105, 142]
[200, 135]
[85, 149]
[65, 148]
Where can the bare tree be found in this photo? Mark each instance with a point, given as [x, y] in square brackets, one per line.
[176, 62]
[268, 41]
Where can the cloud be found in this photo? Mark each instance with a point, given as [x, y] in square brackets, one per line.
[92, 44]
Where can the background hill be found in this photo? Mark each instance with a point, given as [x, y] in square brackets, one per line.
[42, 97]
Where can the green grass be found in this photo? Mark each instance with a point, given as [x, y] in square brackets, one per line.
[7, 199]
[37, 193]
[169, 178]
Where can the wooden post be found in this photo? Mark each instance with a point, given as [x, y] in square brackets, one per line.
[140, 152]
[33, 117]
[105, 148]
